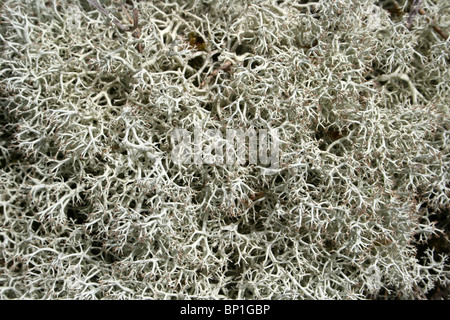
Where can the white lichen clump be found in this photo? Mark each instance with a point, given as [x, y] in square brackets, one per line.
[92, 206]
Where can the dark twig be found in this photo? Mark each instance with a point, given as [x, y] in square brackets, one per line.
[417, 9]
[441, 32]
[135, 28]
[108, 14]
[137, 31]
[225, 67]
[134, 20]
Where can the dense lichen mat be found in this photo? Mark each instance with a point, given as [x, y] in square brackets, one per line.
[92, 205]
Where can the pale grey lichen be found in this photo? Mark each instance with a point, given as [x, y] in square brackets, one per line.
[92, 205]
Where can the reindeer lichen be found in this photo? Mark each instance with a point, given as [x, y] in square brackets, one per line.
[93, 206]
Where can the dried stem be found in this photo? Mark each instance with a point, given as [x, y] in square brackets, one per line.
[439, 30]
[108, 14]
